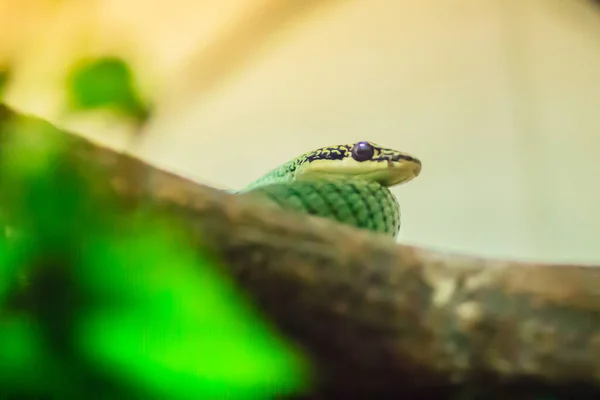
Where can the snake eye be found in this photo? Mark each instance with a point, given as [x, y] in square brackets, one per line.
[362, 151]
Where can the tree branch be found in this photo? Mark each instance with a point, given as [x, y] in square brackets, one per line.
[376, 316]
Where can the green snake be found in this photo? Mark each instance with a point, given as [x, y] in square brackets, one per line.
[348, 183]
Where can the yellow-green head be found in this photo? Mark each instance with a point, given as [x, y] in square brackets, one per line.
[362, 160]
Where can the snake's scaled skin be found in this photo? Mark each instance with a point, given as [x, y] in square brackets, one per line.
[348, 183]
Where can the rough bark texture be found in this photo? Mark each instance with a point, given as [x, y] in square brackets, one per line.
[378, 317]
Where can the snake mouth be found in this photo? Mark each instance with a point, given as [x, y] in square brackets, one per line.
[396, 173]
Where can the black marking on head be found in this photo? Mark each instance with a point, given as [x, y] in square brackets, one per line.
[328, 153]
[342, 151]
[387, 155]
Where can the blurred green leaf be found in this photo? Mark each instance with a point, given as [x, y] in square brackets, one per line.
[105, 83]
[176, 326]
[25, 365]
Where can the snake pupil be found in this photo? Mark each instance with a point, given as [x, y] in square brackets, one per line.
[362, 151]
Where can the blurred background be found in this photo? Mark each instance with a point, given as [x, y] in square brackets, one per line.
[498, 98]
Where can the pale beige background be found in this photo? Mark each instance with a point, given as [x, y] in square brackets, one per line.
[500, 99]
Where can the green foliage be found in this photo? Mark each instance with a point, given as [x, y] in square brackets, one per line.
[198, 339]
[99, 301]
[105, 83]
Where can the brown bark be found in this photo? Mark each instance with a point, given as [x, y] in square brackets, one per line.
[377, 316]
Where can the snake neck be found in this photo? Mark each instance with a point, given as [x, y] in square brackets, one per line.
[283, 173]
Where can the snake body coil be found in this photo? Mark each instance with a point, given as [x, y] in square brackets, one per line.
[348, 183]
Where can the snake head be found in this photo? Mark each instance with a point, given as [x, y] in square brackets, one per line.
[361, 160]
